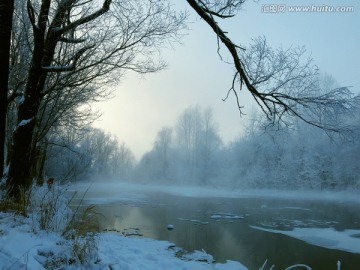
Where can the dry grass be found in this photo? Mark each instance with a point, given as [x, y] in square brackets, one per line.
[83, 221]
[20, 207]
[50, 211]
[82, 231]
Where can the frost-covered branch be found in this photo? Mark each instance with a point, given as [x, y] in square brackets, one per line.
[105, 7]
[71, 67]
[282, 82]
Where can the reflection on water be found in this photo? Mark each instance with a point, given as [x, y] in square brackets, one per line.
[222, 227]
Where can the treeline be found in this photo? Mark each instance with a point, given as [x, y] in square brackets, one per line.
[285, 154]
[87, 155]
[186, 154]
[268, 155]
[301, 157]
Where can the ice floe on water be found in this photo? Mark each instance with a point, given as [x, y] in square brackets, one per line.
[287, 224]
[216, 216]
[294, 208]
[194, 221]
[346, 240]
[226, 216]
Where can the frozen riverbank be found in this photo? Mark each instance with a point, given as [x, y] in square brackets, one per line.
[24, 247]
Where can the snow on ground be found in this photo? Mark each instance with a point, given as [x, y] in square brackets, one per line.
[136, 253]
[347, 240]
[117, 191]
[19, 246]
[22, 246]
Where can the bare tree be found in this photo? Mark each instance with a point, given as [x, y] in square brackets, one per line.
[77, 46]
[6, 14]
[280, 81]
[162, 148]
[210, 145]
[197, 141]
[189, 129]
[122, 162]
[67, 157]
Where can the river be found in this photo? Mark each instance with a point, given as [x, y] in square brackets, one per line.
[248, 229]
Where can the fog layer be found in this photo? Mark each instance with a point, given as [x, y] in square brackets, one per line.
[191, 152]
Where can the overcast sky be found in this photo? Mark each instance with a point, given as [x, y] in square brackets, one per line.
[196, 75]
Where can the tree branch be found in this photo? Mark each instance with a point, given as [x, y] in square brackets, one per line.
[71, 67]
[72, 40]
[290, 87]
[91, 17]
[31, 14]
[228, 43]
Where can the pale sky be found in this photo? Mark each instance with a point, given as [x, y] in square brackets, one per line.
[196, 75]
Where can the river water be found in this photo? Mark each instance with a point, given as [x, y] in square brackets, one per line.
[227, 227]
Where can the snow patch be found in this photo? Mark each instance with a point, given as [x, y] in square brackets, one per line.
[135, 254]
[323, 237]
[21, 100]
[226, 216]
[25, 122]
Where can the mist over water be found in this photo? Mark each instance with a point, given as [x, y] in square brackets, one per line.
[293, 157]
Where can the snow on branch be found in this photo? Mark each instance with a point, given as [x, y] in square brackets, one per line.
[25, 122]
[70, 67]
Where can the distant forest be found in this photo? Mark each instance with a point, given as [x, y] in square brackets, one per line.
[282, 155]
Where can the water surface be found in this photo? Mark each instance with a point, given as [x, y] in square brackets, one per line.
[223, 227]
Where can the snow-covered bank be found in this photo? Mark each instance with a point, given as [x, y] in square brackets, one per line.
[23, 248]
[50, 236]
[136, 253]
[137, 193]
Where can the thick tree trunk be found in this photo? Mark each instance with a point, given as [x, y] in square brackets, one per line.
[6, 13]
[18, 178]
[20, 162]
[38, 159]
[41, 164]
